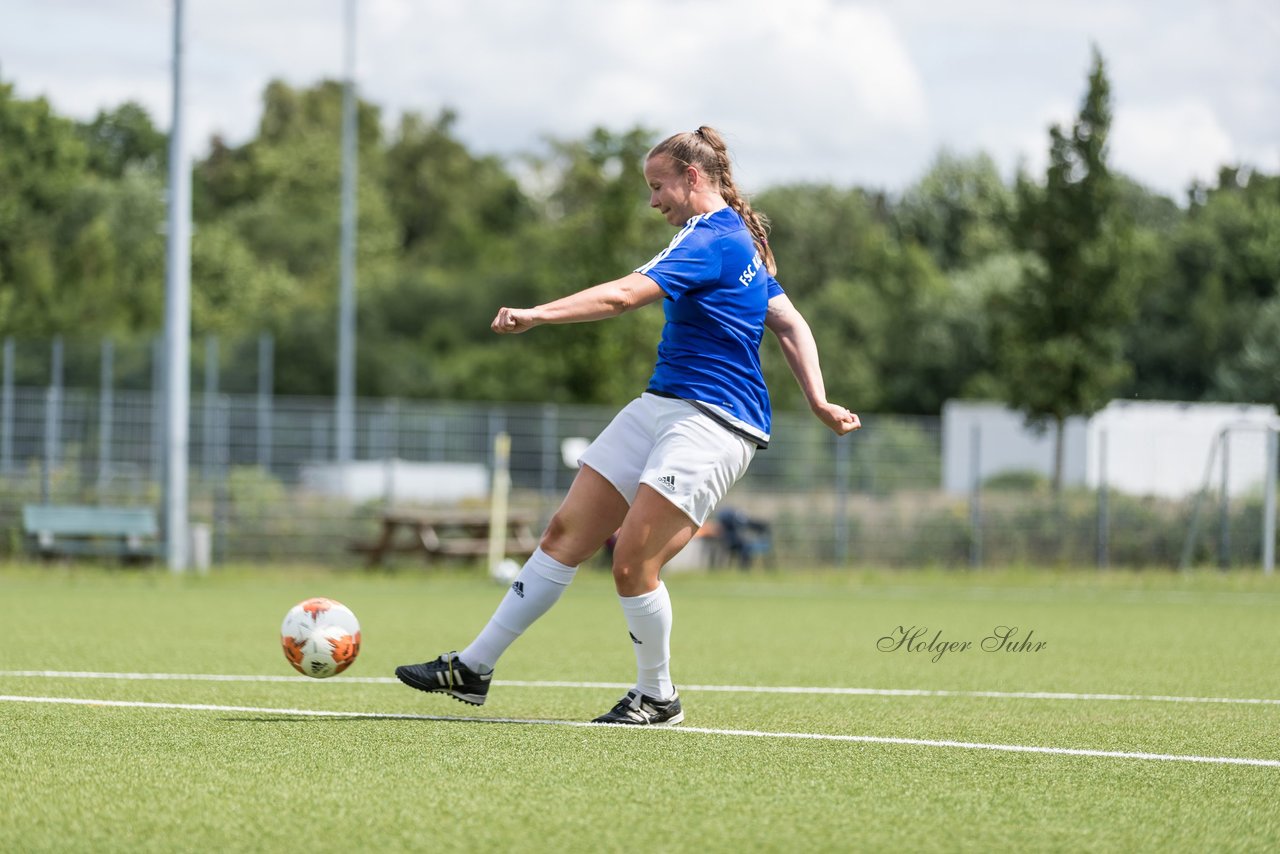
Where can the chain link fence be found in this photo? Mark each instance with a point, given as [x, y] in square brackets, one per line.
[262, 477]
[81, 422]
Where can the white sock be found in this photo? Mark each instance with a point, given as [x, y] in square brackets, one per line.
[535, 590]
[649, 619]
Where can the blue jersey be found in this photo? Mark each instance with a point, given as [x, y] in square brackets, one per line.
[717, 291]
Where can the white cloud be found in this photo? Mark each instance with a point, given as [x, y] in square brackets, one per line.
[1022, 142]
[803, 88]
[827, 90]
[1167, 145]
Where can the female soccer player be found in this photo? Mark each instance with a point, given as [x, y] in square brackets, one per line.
[659, 468]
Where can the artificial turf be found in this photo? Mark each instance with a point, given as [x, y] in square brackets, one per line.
[233, 776]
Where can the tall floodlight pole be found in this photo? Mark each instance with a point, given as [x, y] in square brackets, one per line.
[345, 416]
[177, 321]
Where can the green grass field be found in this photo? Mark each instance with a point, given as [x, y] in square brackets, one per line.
[249, 765]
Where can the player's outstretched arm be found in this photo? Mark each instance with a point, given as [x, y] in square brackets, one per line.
[785, 321]
[595, 303]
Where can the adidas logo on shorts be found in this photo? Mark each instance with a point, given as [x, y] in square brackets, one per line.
[668, 482]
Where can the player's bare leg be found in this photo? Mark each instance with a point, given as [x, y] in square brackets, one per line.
[654, 532]
[590, 513]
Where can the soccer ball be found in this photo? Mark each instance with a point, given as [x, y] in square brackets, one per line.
[320, 637]
[505, 572]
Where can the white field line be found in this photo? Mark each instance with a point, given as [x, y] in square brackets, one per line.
[744, 733]
[737, 689]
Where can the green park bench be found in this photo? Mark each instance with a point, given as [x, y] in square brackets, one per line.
[128, 533]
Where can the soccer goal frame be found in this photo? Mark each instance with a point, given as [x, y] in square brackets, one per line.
[1271, 431]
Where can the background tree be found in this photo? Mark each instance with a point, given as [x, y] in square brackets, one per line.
[898, 334]
[125, 138]
[1253, 374]
[80, 249]
[458, 220]
[448, 203]
[275, 200]
[595, 225]
[962, 286]
[959, 211]
[1060, 334]
[1214, 272]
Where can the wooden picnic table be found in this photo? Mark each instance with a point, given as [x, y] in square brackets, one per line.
[439, 535]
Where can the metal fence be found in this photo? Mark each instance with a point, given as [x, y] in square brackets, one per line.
[873, 499]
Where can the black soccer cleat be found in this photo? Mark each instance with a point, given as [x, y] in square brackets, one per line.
[448, 674]
[635, 709]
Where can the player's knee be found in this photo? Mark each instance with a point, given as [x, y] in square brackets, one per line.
[633, 579]
[559, 541]
[555, 534]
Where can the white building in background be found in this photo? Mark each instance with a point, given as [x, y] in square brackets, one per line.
[1147, 447]
[1163, 449]
[393, 480]
[982, 439]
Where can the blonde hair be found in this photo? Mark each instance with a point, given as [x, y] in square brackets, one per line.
[705, 148]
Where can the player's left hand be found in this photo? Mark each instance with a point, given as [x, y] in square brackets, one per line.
[837, 418]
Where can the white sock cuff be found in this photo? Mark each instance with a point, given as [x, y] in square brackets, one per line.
[550, 568]
[646, 603]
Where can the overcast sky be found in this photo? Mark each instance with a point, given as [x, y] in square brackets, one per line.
[825, 90]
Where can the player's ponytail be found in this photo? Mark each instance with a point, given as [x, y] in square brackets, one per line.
[705, 148]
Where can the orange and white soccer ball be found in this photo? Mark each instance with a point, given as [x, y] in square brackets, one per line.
[321, 637]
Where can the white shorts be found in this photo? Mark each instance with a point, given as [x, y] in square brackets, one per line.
[684, 455]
